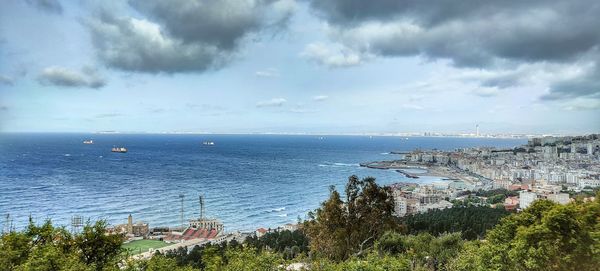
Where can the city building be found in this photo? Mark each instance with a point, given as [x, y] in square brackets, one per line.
[526, 198]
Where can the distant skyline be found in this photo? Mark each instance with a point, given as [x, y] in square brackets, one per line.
[306, 66]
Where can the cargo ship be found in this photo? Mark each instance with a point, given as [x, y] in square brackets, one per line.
[121, 149]
[88, 141]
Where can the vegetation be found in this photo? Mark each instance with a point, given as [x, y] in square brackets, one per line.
[545, 236]
[290, 243]
[341, 229]
[46, 247]
[472, 222]
[495, 196]
[357, 233]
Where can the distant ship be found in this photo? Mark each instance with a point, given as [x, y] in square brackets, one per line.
[208, 143]
[88, 141]
[121, 149]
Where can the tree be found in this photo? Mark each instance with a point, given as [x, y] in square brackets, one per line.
[472, 222]
[341, 229]
[545, 236]
[99, 249]
[248, 259]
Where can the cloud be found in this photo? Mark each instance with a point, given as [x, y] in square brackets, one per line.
[489, 35]
[157, 110]
[63, 77]
[3, 108]
[6, 80]
[182, 35]
[333, 55]
[267, 73]
[108, 115]
[50, 6]
[411, 107]
[320, 98]
[275, 102]
[582, 104]
[586, 85]
[485, 92]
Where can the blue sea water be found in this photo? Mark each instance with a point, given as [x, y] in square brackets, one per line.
[249, 181]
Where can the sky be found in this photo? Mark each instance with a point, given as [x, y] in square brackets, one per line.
[300, 66]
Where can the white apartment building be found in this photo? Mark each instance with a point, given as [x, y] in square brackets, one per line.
[526, 198]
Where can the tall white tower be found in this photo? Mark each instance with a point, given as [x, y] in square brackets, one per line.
[477, 130]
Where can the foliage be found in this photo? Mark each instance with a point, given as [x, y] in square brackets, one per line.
[545, 236]
[96, 248]
[495, 192]
[423, 250]
[341, 229]
[290, 243]
[372, 262]
[356, 234]
[46, 247]
[472, 221]
[285, 243]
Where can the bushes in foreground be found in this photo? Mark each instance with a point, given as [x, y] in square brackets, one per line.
[354, 234]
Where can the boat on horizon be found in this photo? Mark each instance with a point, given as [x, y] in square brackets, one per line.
[119, 149]
[208, 143]
[89, 141]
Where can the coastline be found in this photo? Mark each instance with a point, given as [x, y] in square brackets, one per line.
[404, 167]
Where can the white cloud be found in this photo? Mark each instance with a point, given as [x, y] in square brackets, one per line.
[275, 102]
[267, 73]
[64, 77]
[333, 55]
[582, 104]
[320, 98]
[411, 107]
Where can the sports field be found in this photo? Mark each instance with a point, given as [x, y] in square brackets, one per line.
[140, 246]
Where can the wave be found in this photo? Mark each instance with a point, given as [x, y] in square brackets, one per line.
[67, 154]
[327, 164]
[282, 215]
[277, 210]
[384, 153]
[345, 165]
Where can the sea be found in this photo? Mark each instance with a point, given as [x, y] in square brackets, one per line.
[248, 181]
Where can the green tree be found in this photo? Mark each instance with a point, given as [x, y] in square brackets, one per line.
[545, 236]
[99, 249]
[341, 229]
[472, 222]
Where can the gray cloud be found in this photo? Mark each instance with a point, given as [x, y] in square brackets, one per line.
[63, 77]
[51, 6]
[492, 35]
[3, 108]
[182, 36]
[586, 85]
[6, 80]
[485, 92]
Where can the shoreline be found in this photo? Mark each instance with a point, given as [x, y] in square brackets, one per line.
[401, 166]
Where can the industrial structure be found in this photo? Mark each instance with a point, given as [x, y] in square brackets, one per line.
[202, 227]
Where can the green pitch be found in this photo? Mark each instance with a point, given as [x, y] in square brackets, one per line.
[140, 246]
